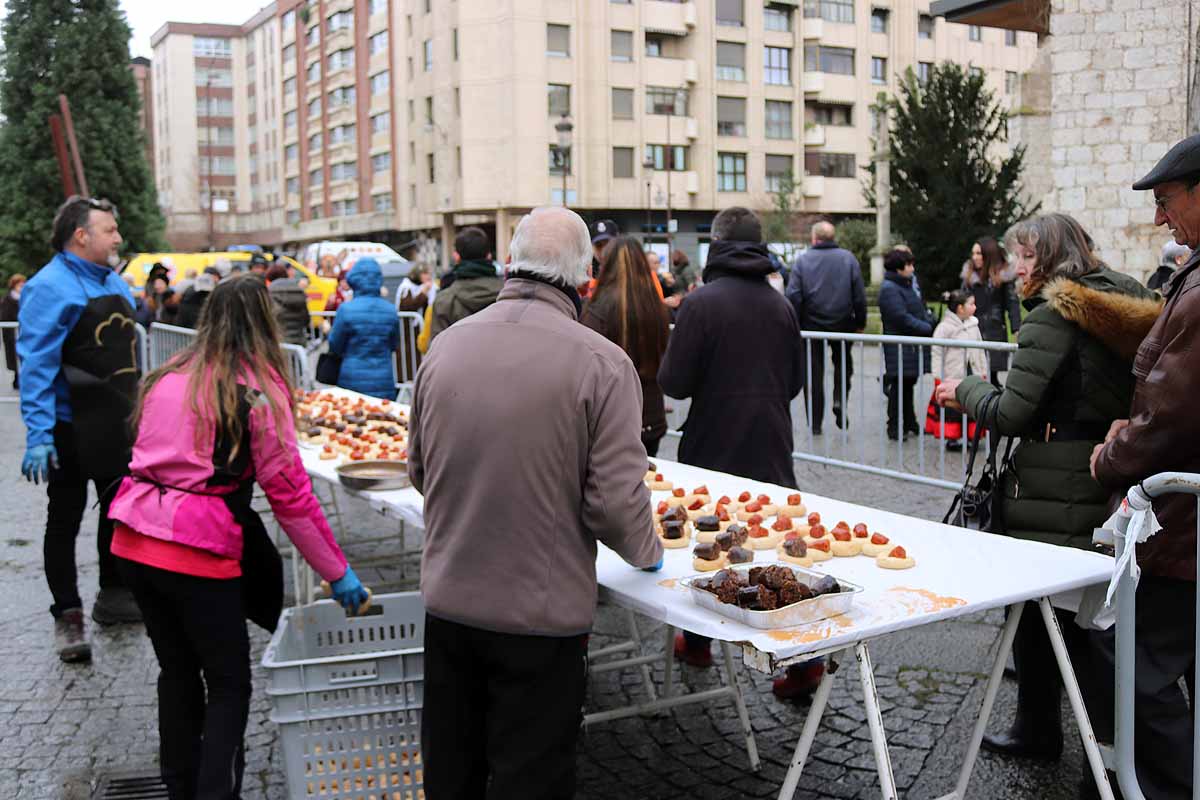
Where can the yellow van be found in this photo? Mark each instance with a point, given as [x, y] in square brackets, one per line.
[179, 264]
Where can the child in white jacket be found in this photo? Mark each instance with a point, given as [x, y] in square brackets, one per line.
[959, 323]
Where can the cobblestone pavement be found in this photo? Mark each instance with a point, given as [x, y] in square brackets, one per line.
[62, 726]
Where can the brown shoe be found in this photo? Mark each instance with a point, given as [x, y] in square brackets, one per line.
[69, 638]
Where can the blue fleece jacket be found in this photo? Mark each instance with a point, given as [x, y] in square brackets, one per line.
[51, 303]
[365, 333]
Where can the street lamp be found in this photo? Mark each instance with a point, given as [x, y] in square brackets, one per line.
[563, 128]
[648, 167]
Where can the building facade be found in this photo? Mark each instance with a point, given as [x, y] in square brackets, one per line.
[401, 116]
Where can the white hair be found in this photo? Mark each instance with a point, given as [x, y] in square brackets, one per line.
[552, 242]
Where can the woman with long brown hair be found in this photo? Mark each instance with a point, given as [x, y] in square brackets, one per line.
[210, 423]
[992, 282]
[626, 309]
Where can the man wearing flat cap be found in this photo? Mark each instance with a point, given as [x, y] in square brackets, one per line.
[1162, 434]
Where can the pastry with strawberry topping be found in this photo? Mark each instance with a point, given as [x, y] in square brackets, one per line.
[658, 483]
[844, 545]
[820, 549]
[794, 507]
[896, 558]
[877, 545]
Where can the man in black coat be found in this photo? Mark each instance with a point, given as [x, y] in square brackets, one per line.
[736, 352]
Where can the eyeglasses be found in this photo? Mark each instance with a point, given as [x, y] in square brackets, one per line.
[1161, 202]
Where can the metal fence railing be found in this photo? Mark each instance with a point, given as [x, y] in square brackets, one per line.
[407, 356]
[853, 365]
[164, 341]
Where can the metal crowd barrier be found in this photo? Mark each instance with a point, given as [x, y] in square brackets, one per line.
[861, 442]
[406, 358]
[1137, 499]
[164, 341]
[8, 398]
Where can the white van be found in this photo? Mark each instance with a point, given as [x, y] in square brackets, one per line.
[312, 253]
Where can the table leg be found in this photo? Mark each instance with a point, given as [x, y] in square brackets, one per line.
[1007, 635]
[636, 638]
[883, 762]
[807, 734]
[668, 689]
[1090, 748]
[740, 702]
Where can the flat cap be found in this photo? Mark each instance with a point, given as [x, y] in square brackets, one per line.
[1181, 161]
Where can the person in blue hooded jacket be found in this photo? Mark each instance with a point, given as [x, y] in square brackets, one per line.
[77, 345]
[365, 333]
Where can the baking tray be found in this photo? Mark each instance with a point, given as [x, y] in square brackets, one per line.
[375, 475]
[802, 613]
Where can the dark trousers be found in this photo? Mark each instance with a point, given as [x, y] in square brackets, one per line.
[651, 446]
[1165, 652]
[502, 713]
[896, 388]
[67, 493]
[1039, 681]
[814, 350]
[198, 629]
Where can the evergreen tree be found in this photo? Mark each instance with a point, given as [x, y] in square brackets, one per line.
[79, 48]
[949, 186]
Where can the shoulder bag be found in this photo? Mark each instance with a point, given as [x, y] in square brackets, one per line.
[977, 506]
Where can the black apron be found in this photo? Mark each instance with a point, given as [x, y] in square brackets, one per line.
[99, 361]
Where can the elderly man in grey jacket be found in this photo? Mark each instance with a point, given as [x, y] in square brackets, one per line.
[526, 442]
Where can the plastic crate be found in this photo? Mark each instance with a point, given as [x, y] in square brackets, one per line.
[347, 694]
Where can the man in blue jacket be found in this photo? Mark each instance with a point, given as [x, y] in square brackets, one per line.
[826, 289]
[78, 350]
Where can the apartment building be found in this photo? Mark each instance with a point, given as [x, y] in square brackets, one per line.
[402, 116]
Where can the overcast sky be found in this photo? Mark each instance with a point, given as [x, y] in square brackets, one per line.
[147, 16]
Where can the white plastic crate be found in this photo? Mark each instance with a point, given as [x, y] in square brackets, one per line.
[347, 694]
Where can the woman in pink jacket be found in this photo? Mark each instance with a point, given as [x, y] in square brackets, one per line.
[210, 423]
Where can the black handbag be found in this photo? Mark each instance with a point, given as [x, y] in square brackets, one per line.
[329, 368]
[979, 506]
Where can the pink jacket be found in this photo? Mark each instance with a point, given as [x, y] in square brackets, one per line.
[184, 509]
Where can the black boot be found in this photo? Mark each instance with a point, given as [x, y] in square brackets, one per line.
[1041, 741]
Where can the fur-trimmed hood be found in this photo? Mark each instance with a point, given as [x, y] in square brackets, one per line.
[1114, 315]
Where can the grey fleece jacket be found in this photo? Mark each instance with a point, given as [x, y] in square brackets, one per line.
[525, 439]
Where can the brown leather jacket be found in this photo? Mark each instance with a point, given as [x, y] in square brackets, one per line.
[1164, 428]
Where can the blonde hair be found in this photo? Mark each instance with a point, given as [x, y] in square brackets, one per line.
[1061, 247]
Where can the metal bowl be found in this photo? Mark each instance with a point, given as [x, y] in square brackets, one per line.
[374, 476]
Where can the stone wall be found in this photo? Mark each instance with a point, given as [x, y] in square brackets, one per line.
[1120, 90]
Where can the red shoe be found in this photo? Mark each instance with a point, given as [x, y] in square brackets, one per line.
[800, 681]
[692, 656]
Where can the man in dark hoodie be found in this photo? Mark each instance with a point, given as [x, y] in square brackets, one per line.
[736, 352]
[475, 282]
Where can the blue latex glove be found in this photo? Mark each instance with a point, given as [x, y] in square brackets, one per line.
[655, 568]
[38, 461]
[349, 592]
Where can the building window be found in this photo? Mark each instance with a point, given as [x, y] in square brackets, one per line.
[654, 45]
[376, 6]
[777, 18]
[879, 20]
[560, 99]
[428, 47]
[344, 208]
[828, 114]
[778, 119]
[291, 152]
[381, 162]
[666, 101]
[1010, 38]
[829, 165]
[341, 21]
[731, 172]
[923, 68]
[214, 77]
[289, 53]
[430, 168]
[731, 116]
[558, 40]
[381, 82]
[315, 142]
[315, 211]
[314, 108]
[214, 106]
[293, 216]
[454, 44]
[622, 162]
[622, 103]
[341, 59]
[830, 60]
[412, 114]
[924, 26]
[288, 21]
[378, 43]
[731, 13]
[342, 96]
[342, 134]
[830, 10]
[289, 119]
[289, 87]
[779, 168]
[215, 135]
[658, 153]
[412, 153]
[429, 110]
[1011, 82]
[878, 70]
[343, 171]
[731, 61]
[211, 47]
[314, 72]
[293, 186]
[975, 33]
[313, 36]
[622, 45]
[382, 202]
[777, 65]
[316, 177]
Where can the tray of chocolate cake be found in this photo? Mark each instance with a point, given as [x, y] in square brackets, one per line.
[772, 596]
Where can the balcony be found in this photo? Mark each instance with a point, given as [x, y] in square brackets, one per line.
[814, 136]
[813, 28]
[670, 71]
[814, 82]
[336, 40]
[692, 128]
[676, 19]
[814, 185]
